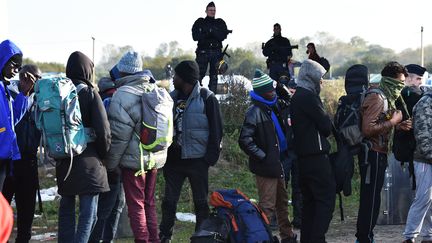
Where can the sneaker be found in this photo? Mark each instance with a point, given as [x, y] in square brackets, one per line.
[292, 239]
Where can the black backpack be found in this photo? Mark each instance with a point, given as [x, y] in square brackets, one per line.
[325, 63]
[212, 230]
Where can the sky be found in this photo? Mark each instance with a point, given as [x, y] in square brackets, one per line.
[49, 30]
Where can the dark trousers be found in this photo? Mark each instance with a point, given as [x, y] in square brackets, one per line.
[276, 69]
[319, 193]
[22, 181]
[370, 194]
[291, 171]
[175, 173]
[3, 165]
[204, 58]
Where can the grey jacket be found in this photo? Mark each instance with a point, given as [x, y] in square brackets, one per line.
[422, 122]
[125, 116]
[195, 124]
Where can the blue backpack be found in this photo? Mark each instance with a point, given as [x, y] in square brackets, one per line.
[248, 222]
[58, 116]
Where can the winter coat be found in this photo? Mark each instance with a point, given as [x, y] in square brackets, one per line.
[202, 126]
[258, 139]
[125, 117]
[422, 123]
[9, 147]
[209, 32]
[88, 174]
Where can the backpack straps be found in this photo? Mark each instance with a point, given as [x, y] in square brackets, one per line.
[80, 86]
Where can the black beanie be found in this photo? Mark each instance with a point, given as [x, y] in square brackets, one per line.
[211, 4]
[188, 71]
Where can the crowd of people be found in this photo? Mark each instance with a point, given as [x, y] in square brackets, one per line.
[285, 134]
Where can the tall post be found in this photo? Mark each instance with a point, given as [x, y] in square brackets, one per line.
[421, 48]
[94, 69]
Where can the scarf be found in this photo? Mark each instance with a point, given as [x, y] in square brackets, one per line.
[279, 132]
[392, 90]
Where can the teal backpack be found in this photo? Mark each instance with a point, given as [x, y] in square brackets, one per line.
[58, 116]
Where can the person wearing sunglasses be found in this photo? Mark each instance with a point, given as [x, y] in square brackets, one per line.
[11, 110]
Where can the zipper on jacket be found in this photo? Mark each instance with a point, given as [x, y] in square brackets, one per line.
[319, 142]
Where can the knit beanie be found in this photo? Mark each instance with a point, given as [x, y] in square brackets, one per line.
[188, 71]
[262, 83]
[130, 63]
[6, 219]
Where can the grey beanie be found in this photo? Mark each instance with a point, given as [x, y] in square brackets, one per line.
[131, 63]
[310, 75]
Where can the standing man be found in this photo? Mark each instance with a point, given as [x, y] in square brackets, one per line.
[209, 32]
[419, 220]
[311, 127]
[263, 139]
[11, 110]
[379, 117]
[195, 147]
[278, 51]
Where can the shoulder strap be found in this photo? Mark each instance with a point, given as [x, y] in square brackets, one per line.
[80, 86]
[381, 93]
[205, 94]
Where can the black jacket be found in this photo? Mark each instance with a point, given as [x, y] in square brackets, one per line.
[278, 49]
[311, 125]
[88, 174]
[258, 139]
[209, 32]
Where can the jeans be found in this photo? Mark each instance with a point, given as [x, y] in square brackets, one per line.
[22, 182]
[68, 231]
[196, 170]
[110, 206]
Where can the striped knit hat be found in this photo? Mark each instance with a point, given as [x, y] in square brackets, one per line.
[262, 83]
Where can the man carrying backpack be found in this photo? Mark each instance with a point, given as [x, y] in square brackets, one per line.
[138, 173]
[195, 147]
[263, 139]
[379, 117]
[22, 175]
[11, 110]
[419, 216]
[311, 127]
[86, 177]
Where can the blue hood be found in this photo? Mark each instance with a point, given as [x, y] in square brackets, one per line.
[7, 50]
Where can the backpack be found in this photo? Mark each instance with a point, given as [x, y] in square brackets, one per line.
[157, 127]
[247, 221]
[325, 63]
[58, 116]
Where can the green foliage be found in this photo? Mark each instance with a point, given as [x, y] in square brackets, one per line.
[46, 66]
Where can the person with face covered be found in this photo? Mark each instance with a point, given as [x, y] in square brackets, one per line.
[263, 139]
[11, 110]
[311, 127]
[88, 176]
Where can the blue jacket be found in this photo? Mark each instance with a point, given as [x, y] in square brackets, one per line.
[8, 142]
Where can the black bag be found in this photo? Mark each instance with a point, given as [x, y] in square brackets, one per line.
[348, 119]
[325, 63]
[212, 230]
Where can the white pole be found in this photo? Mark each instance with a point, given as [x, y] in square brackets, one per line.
[422, 49]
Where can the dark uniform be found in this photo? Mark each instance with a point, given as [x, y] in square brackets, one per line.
[278, 50]
[209, 32]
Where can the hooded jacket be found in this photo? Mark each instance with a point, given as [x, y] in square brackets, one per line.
[422, 123]
[9, 147]
[88, 174]
[311, 124]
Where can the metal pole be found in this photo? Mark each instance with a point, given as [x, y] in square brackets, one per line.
[421, 48]
[94, 73]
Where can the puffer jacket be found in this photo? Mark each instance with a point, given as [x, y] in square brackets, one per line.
[374, 129]
[125, 116]
[422, 122]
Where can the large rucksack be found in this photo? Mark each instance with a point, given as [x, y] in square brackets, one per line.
[157, 127]
[58, 116]
[248, 222]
